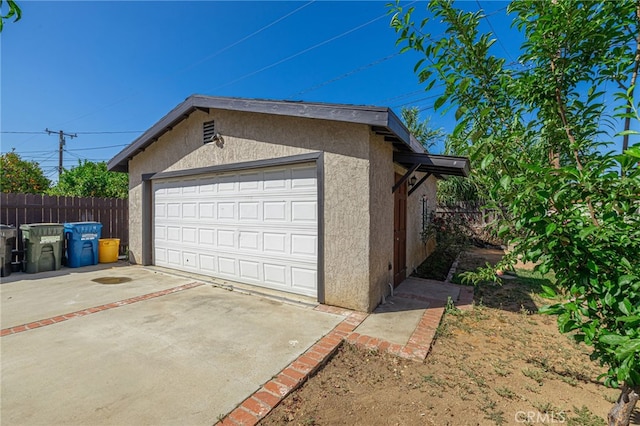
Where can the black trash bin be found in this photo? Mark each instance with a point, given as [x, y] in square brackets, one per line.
[7, 243]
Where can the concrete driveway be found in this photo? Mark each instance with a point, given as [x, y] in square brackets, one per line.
[158, 349]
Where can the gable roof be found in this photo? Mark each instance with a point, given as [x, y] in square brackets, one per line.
[382, 121]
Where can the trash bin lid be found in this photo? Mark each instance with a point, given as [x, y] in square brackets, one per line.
[7, 231]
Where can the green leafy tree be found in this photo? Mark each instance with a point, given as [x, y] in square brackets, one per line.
[421, 129]
[89, 179]
[453, 188]
[532, 131]
[13, 12]
[19, 176]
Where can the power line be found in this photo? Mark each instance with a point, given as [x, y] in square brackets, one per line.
[345, 75]
[308, 49]
[78, 133]
[404, 95]
[195, 64]
[25, 133]
[418, 100]
[72, 150]
[486, 18]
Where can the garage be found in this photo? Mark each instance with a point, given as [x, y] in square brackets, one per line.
[257, 226]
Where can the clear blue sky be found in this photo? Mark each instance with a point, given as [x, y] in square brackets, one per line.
[119, 66]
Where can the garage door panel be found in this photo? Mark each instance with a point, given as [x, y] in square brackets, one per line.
[173, 233]
[249, 269]
[304, 245]
[207, 263]
[226, 238]
[275, 180]
[206, 236]
[257, 227]
[160, 255]
[226, 211]
[160, 210]
[189, 259]
[303, 278]
[275, 274]
[249, 211]
[173, 211]
[249, 240]
[275, 211]
[174, 257]
[189, 235]
[301, 178]
[227, 265]
[206, 210]
[304, 211]
[189, 210]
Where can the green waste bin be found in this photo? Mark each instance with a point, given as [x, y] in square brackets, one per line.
[7, 242]
[42, 246]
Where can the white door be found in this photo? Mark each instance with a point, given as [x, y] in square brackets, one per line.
[255, 226]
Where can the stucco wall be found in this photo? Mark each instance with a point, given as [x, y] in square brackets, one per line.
[382, 178]
[417, 251]
[249, 137]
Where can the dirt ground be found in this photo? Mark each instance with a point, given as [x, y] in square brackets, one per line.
[497, 364]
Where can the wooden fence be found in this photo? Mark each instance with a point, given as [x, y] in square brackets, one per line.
[112, 213]
[473, 212]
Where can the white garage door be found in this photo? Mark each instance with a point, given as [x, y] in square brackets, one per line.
[257, 227]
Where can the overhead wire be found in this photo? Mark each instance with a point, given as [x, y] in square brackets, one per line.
[486, 18]
[345, 75]
[195, 64]
[303, 51]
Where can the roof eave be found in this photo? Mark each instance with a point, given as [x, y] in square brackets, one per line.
[381, 118]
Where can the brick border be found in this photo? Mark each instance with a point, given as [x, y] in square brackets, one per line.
[421, 340]
[257, 406]
[60, 318]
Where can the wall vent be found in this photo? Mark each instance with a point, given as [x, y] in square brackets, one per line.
[208, 132]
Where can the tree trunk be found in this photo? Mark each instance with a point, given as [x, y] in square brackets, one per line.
[620, 414]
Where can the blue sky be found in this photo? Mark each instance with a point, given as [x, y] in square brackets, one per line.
[119, 66]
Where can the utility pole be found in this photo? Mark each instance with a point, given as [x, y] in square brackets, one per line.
[61, 135]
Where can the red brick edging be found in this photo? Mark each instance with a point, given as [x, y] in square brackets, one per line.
[421, 341]
[89, 311]
[258, 405]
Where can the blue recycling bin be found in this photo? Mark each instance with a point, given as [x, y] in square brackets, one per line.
[82, 243]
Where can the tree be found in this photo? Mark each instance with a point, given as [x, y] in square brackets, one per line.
[89, 179]
[20, 176]
[14, 11]
[422, 130]
[532, 131]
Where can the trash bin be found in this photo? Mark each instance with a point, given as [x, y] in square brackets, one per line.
[82, 243]
[7, 243]
[42, 246]
[108, 251]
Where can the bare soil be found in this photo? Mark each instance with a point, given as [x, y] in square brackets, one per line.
[496, 364]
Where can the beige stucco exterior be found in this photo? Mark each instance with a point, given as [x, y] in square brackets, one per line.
[358, 176]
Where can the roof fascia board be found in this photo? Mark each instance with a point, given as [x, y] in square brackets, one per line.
[170, 120]
[368, 115]
[437, 161]
[347, 113]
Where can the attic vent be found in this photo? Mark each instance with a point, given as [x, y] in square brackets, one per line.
[208, 132]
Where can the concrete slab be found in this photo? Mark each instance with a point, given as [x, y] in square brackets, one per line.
[183, 358]
[30, 297]
[436, 291]
[394, 321]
